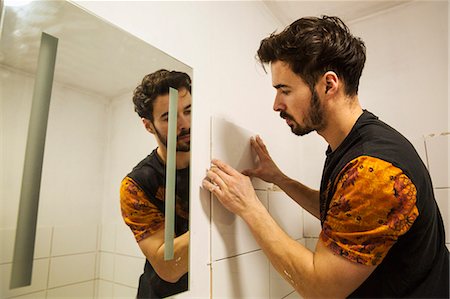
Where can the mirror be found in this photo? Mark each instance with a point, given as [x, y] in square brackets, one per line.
[94, 138]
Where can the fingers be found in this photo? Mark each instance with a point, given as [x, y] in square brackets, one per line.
[226, 170]
[258, 145]
[213, 188]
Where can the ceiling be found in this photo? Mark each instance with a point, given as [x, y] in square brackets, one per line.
[349, 11]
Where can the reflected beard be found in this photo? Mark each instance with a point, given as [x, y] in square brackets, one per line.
[314, 121]
[181, 146]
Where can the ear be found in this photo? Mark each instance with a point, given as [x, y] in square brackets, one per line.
[148, 125]
[331, 82]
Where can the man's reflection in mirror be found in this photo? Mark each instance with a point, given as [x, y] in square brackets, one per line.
[142, 192]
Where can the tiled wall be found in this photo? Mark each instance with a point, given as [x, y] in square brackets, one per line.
[64, 263]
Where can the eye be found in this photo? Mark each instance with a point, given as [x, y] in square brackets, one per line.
[285, 92]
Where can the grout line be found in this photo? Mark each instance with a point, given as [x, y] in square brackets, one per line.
[49, 259]
[239, 254]
[288, 294]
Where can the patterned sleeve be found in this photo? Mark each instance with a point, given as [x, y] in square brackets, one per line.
[374, 203]
[138, 212]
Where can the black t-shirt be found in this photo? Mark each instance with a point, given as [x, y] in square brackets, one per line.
[150, 175]
[417, 264]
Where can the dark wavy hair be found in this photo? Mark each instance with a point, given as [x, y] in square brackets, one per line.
[154, 85]
[312, 46]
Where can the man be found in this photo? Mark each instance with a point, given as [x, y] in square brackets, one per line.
[382, 233]
[142, 193]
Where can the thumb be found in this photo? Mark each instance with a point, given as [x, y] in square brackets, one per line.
[248, 172]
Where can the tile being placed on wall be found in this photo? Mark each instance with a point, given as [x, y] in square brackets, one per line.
[38, 279]
[438, 159]
[287, 213]
[243, 276]
[443, 201]
[83, 290]
[230, 235]
[74, 239]
[71, 269]
[127, 270]
[311, 225]
[231, 144]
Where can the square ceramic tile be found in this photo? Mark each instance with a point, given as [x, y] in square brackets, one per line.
[108, 236]
[311, 225]
[311, 243]
[83, 290]
[123, 292]
[279, 287]
[293, 295]
[41, 248]
[127, 270]
[231, 144]
[106, 267]
[287, 213]
[230, 235]
[37, 295]
[38, 279]
[126, 243]
[419, 145]
[243, 276]
[71, 269]
[104, 289]
[443, 201]
[74, 239]
[438, 150]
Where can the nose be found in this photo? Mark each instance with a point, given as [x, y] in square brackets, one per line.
[278, 104]
[183, 122]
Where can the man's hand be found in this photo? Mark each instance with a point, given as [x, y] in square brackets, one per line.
[233, 189]
[266, 168]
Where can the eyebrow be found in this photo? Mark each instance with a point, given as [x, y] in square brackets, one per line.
[167, 112]
[278, 86]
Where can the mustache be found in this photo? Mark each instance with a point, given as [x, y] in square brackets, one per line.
[184, 133]
[285, 115]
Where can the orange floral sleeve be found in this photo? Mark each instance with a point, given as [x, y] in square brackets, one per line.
[138, 212]
[374, 203]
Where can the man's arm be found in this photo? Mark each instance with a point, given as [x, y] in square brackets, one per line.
[268, 171]
[153, 249]
[320, 274]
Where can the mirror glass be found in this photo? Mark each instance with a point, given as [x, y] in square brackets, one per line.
[94, 139]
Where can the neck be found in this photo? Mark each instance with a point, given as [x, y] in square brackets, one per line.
[182, 158]
[341, 119]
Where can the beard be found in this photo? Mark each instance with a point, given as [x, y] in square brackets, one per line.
[182, 146]
[314, 121]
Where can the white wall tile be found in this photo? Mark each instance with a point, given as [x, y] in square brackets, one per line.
[438, 158]
[230, 235]
[74, 239]
[311, 243]
[311, 225]
[123, 292]
[126, 243]
[287, 213]
[419, 145]
[293, 295]
[108, 237]
[243, 276]
[71, 269]
[127, 270]
[279, 287]
[104, 289]
[37, 295]
[42, 243]
[235, 151]
[443, 201]
[83, 290]
[38, 279]
[106, 270]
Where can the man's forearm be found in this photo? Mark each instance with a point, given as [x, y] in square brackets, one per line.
[306, 197]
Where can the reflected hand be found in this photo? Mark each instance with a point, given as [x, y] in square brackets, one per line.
[266, 168]
[233, 189]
